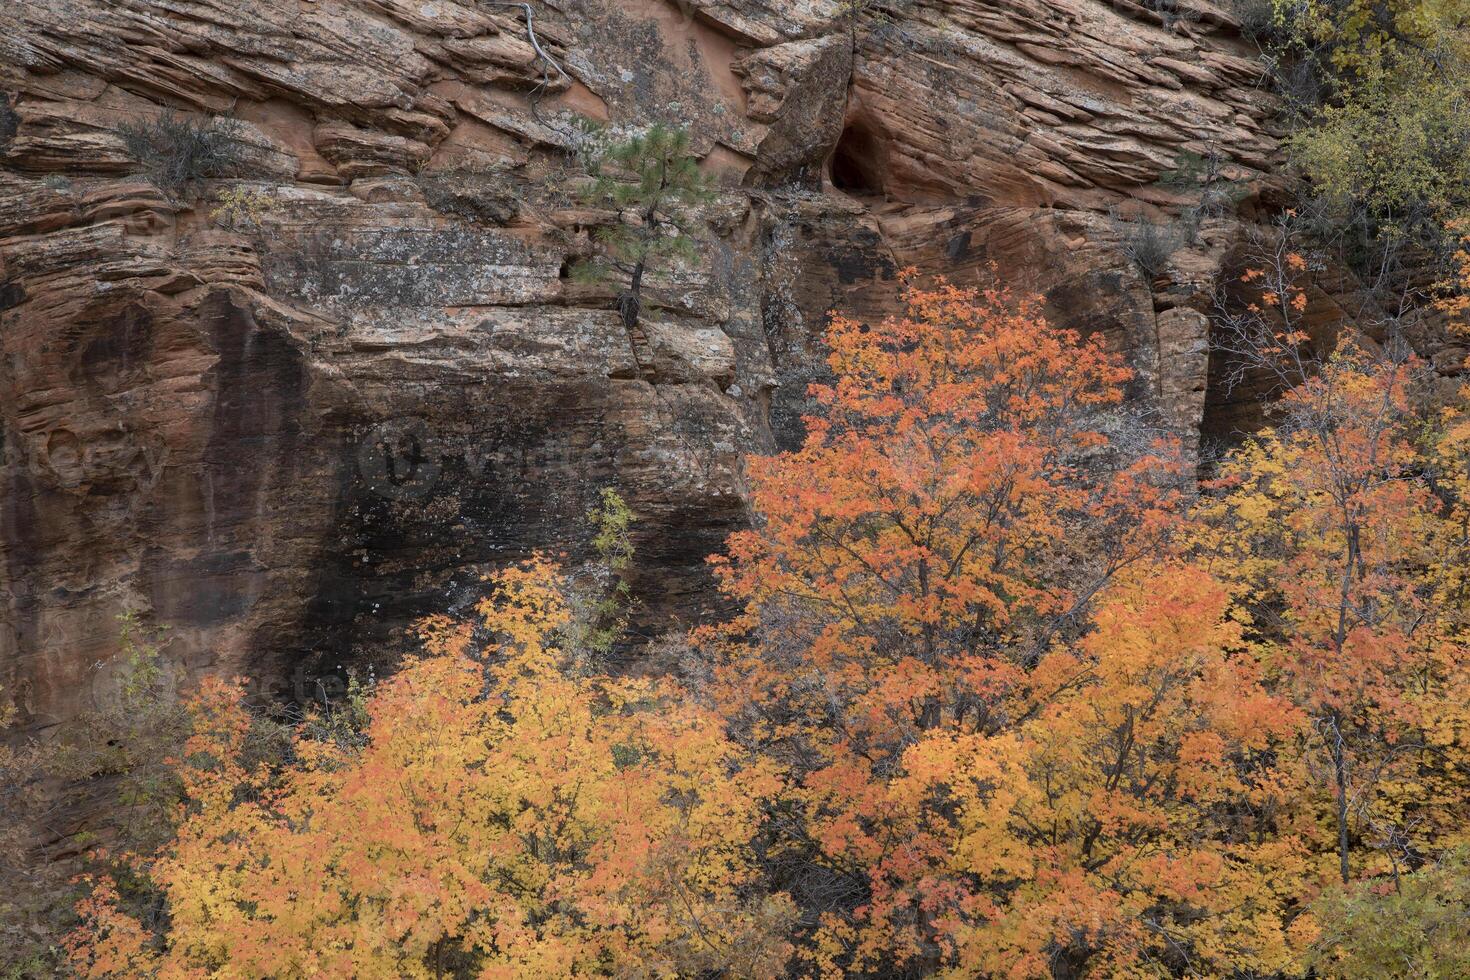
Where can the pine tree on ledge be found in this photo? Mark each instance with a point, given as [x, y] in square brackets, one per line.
[651, 181]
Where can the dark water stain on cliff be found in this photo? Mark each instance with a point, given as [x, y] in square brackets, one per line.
[468, 479]
[117, 350]
[18, 521]
[259, 384]
[251, 462]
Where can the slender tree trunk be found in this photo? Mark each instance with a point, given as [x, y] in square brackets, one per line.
[929, 637]
[933, 710]
[930, 713]
[1339, 774]
[630, 303]
[1337, 749]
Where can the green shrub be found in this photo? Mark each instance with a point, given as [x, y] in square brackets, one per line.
[600, 599]
[1149, 245]
[1413, 926]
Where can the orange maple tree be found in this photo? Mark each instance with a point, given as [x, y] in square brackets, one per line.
[1126, 818]
[915, 651]
[1338, 530]
[1002, 698]
[957, 499]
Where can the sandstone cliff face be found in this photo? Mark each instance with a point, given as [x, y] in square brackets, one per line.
[284, 441]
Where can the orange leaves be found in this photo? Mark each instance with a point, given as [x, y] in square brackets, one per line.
[1281, 297]
[899, 650]
[1455, 302]
[109, 943]
[927, 511]
[511, 815]
[996, 701]
[1332, 531]
[1091, 828]
[1124, 768]
[1354, 517]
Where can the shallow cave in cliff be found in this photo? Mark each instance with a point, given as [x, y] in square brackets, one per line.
[1237, 399]
[1224, 419]
[857, 162]
[1236, 406]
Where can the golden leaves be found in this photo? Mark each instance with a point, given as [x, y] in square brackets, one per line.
[537, 822]
[997, 701]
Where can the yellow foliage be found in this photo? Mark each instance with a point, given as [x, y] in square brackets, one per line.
[1387, 141]
[999, 701]
[503, 813]
[1122, 824]
[1348, 571]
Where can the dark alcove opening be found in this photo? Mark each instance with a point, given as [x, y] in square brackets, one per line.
[858, 162]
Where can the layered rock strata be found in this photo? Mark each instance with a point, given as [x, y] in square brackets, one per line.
[285, 432]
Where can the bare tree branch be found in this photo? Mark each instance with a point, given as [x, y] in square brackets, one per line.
[531, 36]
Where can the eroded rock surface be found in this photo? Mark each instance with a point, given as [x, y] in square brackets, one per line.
[285, 437]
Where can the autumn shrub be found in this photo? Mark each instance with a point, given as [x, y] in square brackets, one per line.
[961, 647]
[1002, 695]
[1449, 469]
[505, 815]
[1341, 531]
[1244, 705]
[1333, 528]
[1390, 153]
[1410, 926]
